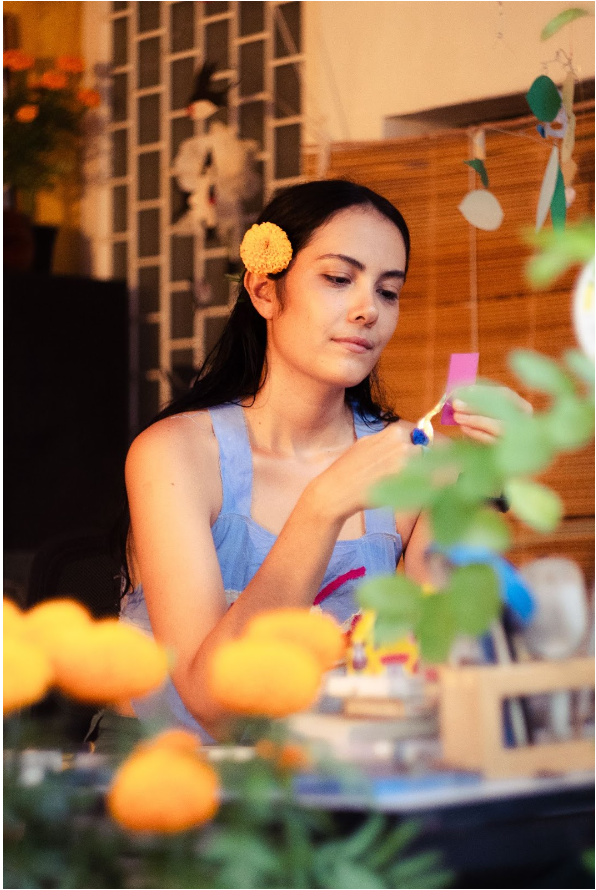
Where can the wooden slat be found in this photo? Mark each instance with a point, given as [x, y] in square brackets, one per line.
[426, 178]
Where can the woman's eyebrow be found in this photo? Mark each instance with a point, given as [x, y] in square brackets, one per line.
[390, 273]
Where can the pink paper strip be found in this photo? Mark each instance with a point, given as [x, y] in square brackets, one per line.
[463, 368]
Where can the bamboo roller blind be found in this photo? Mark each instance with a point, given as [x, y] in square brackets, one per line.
[425, 177]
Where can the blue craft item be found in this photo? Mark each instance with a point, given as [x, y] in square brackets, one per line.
[541, 130]
[419, 437]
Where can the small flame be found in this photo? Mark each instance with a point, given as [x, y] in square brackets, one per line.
[425, 424]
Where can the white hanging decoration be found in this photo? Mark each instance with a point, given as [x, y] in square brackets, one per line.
[482, 210]
[583, 309]
[547, 188]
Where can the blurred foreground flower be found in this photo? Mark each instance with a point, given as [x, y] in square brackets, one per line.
[265, 677]
[27, 674]
[164, 787]
[315, 631]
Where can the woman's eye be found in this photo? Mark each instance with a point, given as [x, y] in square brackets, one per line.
[337, 279]
[389, 295]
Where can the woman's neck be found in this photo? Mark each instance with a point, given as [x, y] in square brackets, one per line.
[291, 419]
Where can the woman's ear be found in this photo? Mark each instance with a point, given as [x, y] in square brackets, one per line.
[261, 291]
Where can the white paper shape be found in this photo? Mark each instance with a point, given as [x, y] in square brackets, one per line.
[557, 127]
[547, 189]
[479, 145]
[482, 210]
[567, 93]
[569, 140]
[583, 309]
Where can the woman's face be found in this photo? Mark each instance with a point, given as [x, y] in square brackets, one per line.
[340, 299]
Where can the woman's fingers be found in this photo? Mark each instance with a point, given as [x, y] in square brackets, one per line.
[478, 426]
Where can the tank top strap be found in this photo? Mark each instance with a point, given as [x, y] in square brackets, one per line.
[235, 458]
[381, 519]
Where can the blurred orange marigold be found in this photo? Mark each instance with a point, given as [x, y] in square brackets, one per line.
[12, 618]
[163, 789]
[108, 661]
[89, 98]
[27, 673]
[174, 740]
[53, 80]
[70, 64]
[26, 113]
[16, 60]
[266, 677]
[316, 631]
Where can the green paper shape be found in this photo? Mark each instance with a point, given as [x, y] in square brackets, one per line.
[544, 99]
[535, 504]
[478, 165]
[474, 598]
[558, 208]
[564, 18]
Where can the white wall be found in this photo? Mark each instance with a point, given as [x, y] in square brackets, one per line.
[368, 60]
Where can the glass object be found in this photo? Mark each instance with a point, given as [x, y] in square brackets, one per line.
[148, 345]
[120, 97]
[120, 41]
[183, 313]
[252, 17]
[213, 331]
[149, 119]
[119, 153]
[182, 82]
[290, 12]
[148, 15]
[182, 21]
[215, 277]
[182, 258]
[182, 128]
[120, 260]
[148, 289]
[287, 151]
[120, 208]
[251, 68]
[148, 179]
[287, 91]
[149, 62]
[251, 117]
[148, 232]
[148, 400]
[216, 44]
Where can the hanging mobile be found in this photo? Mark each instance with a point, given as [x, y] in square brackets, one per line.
[423, 432]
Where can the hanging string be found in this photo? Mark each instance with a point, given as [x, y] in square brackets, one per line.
[473, 254]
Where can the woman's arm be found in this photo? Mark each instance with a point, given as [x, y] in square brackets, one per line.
[173, 486]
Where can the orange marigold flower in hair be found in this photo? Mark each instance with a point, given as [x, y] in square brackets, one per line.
[53, 80]
[163, 789]
[16, 60]
[258, 676]
[315, 630]
[266, 249]
[109, 661]
[27, 673]
[26, 113]
[89, 98]
[70, 64]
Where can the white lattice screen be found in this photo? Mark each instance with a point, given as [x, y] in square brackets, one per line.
[156, 49]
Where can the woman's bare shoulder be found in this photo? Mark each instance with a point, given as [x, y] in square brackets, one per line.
[175, 440]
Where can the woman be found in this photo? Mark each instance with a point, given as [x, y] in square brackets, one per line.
[254, 486]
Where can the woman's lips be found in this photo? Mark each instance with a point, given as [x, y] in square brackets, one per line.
[354, 344]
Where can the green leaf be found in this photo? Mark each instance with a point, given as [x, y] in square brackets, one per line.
[581, 365]
[535, 504]
[474, 597]
[416, 871]
[492, 401]
[436, 629]
[544, 99]
[588, 860]
[478, 165]
[560, 20]
[540, 372]
[558, 206]
[412, 489]
[489, 529]
[559, 249]
[397, 840]
[349, 874]
[570, 422]
[525, 447]
[450, 516]
[397, 601]
[479, 477]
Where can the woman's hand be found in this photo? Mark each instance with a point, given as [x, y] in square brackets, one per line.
[480, 428]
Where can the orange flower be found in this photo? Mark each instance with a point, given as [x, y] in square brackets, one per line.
[108, 661]
[16, 60]
[287, 757]
[70, 64]
[27, 673]
[12, 619]
[163, 789]
[175, 740]
[53, 80]
[26, 113]
[89, 98]
[316, 631]
[271, 678]
[266, 249]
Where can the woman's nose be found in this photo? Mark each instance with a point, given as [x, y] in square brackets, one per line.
[363, 307]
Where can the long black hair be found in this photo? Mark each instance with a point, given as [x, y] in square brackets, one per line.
[235, 369]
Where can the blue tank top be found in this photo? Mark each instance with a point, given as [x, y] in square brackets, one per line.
[242, 546]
